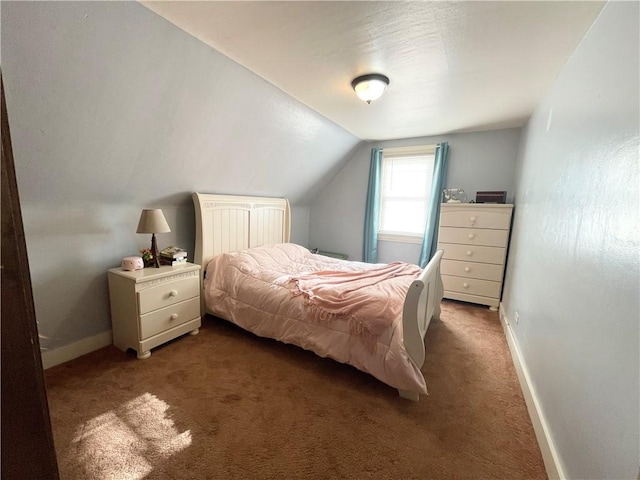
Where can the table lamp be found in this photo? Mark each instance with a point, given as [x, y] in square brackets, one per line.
[152, 221]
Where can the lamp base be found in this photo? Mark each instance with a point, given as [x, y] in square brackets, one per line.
[154, 251]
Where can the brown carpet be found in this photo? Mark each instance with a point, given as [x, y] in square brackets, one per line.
[227, 404]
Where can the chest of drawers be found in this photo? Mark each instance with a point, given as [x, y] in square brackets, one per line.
[154, 305]
[474, 238]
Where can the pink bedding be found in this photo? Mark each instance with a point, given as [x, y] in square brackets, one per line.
[348, 311]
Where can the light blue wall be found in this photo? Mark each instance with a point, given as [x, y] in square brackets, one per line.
[477, 161]
[573, 271]
[113, 109]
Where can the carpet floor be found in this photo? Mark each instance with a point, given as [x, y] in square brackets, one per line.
[227, 404]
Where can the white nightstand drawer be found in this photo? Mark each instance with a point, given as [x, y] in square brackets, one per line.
[481, 271]
[476, 217]
[167, 293]
[473, 253]
[187, 327]
[169, 317]
[471, 286]
[474, 236]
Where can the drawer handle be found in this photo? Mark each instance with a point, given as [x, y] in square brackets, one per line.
[469, 253]
[473, 219]
[465, 285]
[472, 236]
[173, 293]
[467, 269]
[174, 316]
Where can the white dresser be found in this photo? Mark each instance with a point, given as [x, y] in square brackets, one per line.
[474, 237]
[154, 305]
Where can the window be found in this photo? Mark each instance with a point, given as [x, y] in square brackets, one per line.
[407, 175]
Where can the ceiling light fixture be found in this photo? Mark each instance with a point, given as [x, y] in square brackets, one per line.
[370, 87]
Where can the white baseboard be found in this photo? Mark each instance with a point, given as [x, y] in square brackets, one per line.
[547, 448]
[51, 358]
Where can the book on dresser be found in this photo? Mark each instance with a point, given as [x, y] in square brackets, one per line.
[474, 238]
[172, 261]
[173, 253]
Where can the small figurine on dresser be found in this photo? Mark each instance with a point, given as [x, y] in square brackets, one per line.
[454, 195]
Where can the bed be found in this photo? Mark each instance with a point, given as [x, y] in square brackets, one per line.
[255, 278]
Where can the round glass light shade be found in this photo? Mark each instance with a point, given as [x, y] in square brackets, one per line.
[370, 87]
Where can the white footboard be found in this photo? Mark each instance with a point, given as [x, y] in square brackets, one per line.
[421, 304]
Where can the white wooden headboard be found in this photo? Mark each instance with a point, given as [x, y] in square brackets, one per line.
[228, 223]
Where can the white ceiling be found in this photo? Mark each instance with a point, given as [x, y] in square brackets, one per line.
[453, 66]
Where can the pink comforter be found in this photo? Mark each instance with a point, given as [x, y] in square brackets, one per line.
[348, 311]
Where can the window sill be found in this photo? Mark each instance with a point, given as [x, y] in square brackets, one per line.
[400, 238]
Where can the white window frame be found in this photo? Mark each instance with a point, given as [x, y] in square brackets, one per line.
[413, 151]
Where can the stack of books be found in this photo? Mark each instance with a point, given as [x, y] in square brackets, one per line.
[172, 256]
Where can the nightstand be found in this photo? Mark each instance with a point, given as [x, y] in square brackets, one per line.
[154, 305]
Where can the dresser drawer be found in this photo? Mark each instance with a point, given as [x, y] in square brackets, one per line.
[169, 317]
[476, 218]
[481, 271]
[474, 236]
[167, 293]
[472, 286]
[473, 253]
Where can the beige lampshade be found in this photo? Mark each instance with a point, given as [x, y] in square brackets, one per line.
[152, 221]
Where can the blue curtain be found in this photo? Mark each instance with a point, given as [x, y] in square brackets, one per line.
[372, 212]
[430, 240]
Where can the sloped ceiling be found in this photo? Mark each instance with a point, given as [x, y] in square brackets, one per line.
[453, 66]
